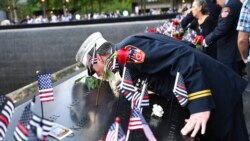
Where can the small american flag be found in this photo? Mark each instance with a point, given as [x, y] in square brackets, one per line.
[112, 134]
[137, 96]
[145, 99]
[180, 90]
[112, 64]
[137, 121]
[44, 125]
[136, 99]
[21, 132]
[45, 87]
[7, 110]
[126, 87]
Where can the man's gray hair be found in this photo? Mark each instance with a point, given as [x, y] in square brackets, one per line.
[105, 48]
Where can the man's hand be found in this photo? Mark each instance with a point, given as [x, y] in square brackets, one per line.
[244, 60]
[204, 43]
[195, 122]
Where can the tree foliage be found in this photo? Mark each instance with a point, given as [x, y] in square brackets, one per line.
[79, 6]
[7, 4]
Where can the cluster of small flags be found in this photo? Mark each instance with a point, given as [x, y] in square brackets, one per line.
[132, 93]
[30, 126]
[139, 97]
[115, 132]
[136, 121]
[126, 86]
[7, 110]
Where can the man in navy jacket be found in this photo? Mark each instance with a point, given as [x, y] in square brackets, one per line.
[214, 91]
[226, 35]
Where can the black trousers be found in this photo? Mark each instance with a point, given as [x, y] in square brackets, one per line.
[238, 131]
[237, 67]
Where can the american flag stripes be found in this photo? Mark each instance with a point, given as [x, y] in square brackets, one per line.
[145, 99]
[126, 87]
[7, 110]
[180, 90]
[45, 87]
[92, 60]
[40, 128]
[45, 124]
[112, 64]
[21, 132]
[136, 99]
[113, 134]
[137, 121]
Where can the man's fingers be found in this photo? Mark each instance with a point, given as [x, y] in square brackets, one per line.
[203, 127]
[196, 122]
[196, 129]
[245, 61]
[188, 127]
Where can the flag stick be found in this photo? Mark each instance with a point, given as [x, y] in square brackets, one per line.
[42, 108]
[127, 135]
[114, 63]
[139, 104]
[37, 72]
[117, 121]
[123, 75]
[142, 93]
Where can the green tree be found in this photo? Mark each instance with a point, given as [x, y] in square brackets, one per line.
[10, 6]
[5, 5]
[113, 5]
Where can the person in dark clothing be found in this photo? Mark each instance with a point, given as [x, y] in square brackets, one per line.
[213, 8]
[213, 95]
[225, 35]
[206, 24]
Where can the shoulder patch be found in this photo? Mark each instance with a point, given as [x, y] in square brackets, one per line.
[225, 11]
[136, 55]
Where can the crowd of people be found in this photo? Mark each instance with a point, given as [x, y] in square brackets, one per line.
[217, 23]
[68, 16]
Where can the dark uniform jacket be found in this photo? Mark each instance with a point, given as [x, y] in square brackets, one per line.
[210, 84]
[226, 34]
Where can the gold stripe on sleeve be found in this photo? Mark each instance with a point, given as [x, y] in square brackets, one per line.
[199, 94]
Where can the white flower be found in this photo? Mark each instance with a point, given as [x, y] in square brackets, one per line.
[157, 111]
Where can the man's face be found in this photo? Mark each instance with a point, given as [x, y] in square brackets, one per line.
[99, 66]
[221, 2]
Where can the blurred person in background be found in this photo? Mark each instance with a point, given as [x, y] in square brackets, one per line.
[244, 30]
[206, 24]
[225, 35]
[213, 9]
